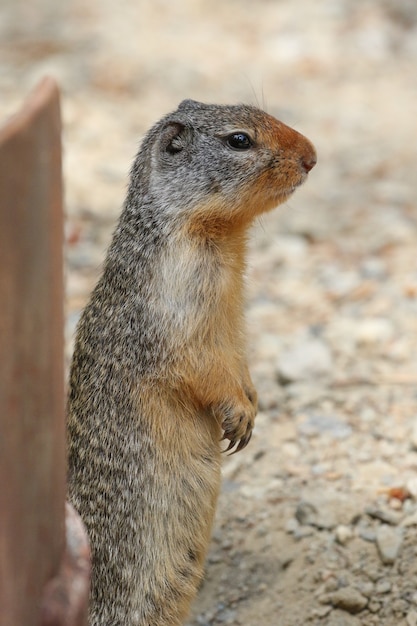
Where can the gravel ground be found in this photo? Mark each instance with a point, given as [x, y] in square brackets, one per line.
[317, 521]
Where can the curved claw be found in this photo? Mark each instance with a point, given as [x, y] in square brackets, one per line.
[242, 443]
[227, 435]
[231, 445]
[237, 428]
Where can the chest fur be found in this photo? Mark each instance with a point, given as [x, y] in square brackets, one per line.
[201, 290]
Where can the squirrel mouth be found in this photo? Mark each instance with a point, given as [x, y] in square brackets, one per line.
[290, 190]
[282, 195]
[287, 191]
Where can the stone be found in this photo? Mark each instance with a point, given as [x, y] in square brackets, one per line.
[396, 504]
[317, 424]
[383, 586]
[399, 605]
[303, 531]
[321, 611]
[373, 573]
[388, 541]
[374, 606]
[349, 599]
[388, 517]
[340, 618]
[291, 525]
[374, 330]
[366, 588]
[412, 487]
[325, 509]
[373, 267]
[307, 359]
[306, 514]
[367, 534]
[226, 616]
[343, 534]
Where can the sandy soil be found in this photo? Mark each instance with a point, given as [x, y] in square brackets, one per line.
[317, 521]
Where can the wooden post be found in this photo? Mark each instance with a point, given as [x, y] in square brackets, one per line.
[33, 543]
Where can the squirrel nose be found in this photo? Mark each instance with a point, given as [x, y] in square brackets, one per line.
[309, 161]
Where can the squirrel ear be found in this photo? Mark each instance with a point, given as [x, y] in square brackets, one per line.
[175, 137]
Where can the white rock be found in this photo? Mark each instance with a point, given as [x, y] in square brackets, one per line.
[388, 541]
[374, 330]
[306, 359]
[412, 487]
[343, 534]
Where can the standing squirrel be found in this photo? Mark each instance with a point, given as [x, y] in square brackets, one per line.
[159, 374]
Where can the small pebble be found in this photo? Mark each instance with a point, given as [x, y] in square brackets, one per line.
[349, 599]
[306, 513]
[226, 616]
[400, 606]
[412, 487]
[374, 606]
[366, 588]
[331, 585]
[388, 541]
[383, 586]
[374, 330]
[303, 531]
[343, 534]
[373, 574]
[396, 504]
[215, 558]
[340, 618]
[291, 525]
[321, 611]
[388, 517]
[367, 534]
[307, 359]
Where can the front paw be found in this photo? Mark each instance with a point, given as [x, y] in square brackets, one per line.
[237, 422]
[252, 395]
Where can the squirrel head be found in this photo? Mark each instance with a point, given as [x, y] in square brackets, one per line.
[220, 165]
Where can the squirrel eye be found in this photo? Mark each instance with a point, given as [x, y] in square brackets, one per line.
[239, 141]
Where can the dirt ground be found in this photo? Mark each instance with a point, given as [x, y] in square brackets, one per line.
[317, 520]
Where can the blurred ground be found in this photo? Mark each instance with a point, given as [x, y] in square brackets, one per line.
[317, 522]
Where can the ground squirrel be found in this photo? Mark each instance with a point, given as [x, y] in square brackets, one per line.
[159, 374]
